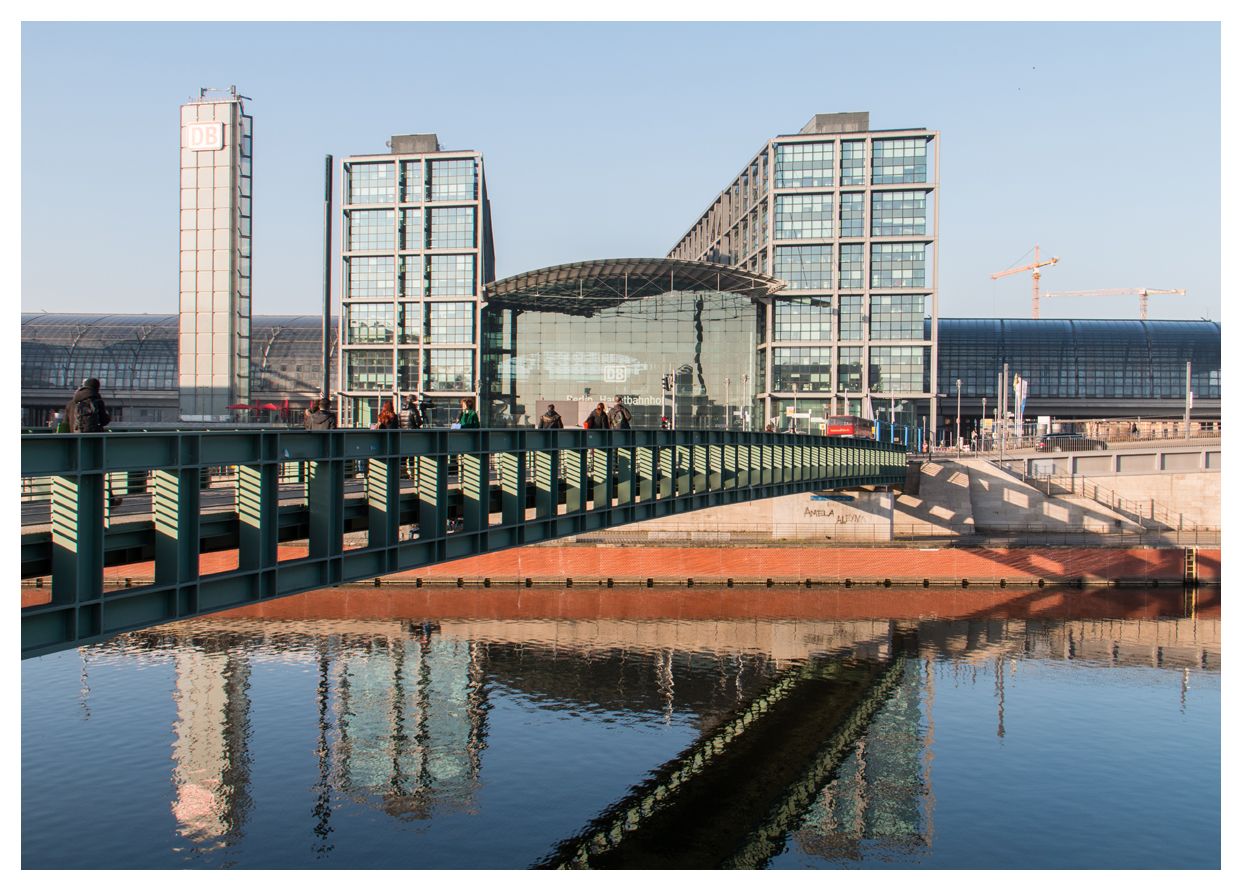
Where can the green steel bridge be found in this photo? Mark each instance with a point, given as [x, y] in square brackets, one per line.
[465, 492]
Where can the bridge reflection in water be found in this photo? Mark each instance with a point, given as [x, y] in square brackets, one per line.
[813, 724]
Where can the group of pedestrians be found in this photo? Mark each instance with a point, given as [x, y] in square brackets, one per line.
[319, 416]
[616, 418]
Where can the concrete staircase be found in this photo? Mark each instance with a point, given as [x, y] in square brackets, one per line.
[939, 504]
[1002, 502]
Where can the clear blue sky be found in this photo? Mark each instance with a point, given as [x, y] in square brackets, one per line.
[1099, 142]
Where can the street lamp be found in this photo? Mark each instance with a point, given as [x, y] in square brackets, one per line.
[982, 418]
[959, 417]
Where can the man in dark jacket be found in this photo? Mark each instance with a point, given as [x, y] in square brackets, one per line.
[321, 418]
[86, 412]
[619, 416]
[551, 420]
[410, 417]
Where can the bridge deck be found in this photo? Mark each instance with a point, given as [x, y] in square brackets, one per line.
[549, 484]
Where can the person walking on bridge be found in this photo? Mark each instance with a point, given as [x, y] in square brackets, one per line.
[551, 420]
[619, 416]
[321, 418]
[86, 411]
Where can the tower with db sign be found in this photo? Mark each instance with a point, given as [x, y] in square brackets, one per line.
[214, 342]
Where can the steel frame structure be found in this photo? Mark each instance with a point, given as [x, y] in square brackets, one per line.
[549, 484]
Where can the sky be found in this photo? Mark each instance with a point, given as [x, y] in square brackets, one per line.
[1100, 142]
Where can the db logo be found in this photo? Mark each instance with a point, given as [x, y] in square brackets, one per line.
[617, 373]
[204, 136]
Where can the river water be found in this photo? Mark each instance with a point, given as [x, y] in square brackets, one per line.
[752, 728]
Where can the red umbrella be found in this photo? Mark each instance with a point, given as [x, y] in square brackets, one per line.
[269, 407]
[243, 405]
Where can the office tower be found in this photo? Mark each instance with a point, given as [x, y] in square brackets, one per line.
[416, 250]
[847, 217]
[214, 348]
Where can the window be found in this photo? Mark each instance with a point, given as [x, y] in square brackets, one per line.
[851, 317]
[806, 318]
[371, 230]
[449, 370]
[411, 229]
[372, 183]
[899, 213]
[900, 369]
[849, 369]
[369, 369]
[803, 164]
[808, 367]
[898, 265]
[412, 181]
[897, 317]
[413, 277]
[852, 215]
[451, 227]
[450, 323]
[368, 323]
[456, 180]
[409, 322]
[803, 216]
[899, 161]
[851, 271]
[853, 157]
[370, 276]
[452, 275]
[805, 266]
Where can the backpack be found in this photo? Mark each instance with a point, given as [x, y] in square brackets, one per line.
[89, 416]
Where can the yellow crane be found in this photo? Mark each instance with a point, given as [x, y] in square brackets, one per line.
[1034, 279]
[1117, 292]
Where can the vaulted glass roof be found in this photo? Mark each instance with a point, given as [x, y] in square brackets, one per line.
[586, 287]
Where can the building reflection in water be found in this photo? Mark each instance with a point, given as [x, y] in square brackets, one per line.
[400, 704]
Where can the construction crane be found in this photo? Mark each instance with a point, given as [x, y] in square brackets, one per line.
[1034, 279]
[1117, 292]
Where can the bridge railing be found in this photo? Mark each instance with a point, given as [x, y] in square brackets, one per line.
[501, 488]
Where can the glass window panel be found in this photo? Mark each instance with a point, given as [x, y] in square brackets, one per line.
[804, 164]
[368, 323]
[451, 370]
[805, 266]
[808, 367]
[450, 323]
[454, 180]
[803, 216]
[451, 227]
[372, 183]
[898, 265]
[899, 161]
[370, 276]
[372, 230]
[369, 369]
[806, 318]
[897, 316]
[899, 213]
[853, 162]
[900, 369]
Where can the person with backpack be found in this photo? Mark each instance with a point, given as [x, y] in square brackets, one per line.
[619, 416]
[86, 411]
[551, 420]
[410, 417]
[321, 418]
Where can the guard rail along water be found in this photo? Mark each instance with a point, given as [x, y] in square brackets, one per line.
[466, 492]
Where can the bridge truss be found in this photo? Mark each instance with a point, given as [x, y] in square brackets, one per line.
[474, 491]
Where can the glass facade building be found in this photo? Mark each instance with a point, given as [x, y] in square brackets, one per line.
[577, 335]
[416, 254]
[216, 173]
[853, 236]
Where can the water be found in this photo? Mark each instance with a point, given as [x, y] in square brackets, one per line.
[508, 729]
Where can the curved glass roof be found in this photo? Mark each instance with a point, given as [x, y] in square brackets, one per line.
[591, 285]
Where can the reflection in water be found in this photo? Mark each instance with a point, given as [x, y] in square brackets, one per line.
[808, 733]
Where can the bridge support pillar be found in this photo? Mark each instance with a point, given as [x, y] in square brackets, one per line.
[383, 502]
[512, 469]
[547, 484]
[685, 468]
[666, 471]
[176, 511]
[325, 496]
[78, 546]
[647, 464]
[258, 505]
[601, 475]
[432, 497]
[625, 476]
[576, 482]
[700, 457]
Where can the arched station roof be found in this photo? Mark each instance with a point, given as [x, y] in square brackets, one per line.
[585, 287]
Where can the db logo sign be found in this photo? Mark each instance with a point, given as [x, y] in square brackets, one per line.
[617, 373]
[204, 136]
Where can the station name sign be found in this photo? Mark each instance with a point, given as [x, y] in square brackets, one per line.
[204, 136]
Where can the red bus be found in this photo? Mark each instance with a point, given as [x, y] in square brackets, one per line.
[849, 425]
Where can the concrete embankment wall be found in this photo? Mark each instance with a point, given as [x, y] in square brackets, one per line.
[1196, 495]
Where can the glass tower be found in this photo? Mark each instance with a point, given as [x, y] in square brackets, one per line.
[214, 345]
[847, 217]
[416, 253]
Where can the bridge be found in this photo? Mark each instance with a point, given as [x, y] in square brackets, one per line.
[467, 492]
